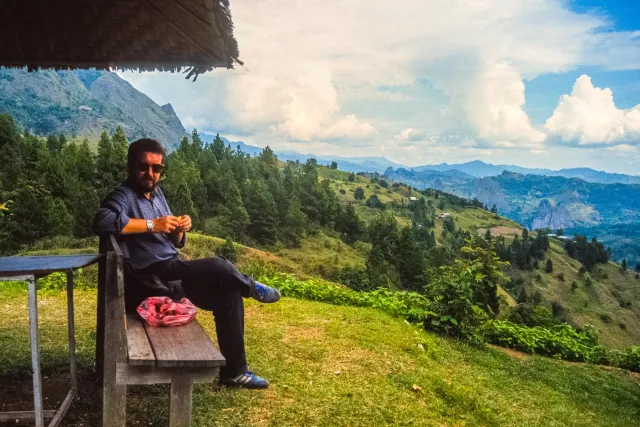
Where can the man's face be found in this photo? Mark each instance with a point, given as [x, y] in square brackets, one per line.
[145, 176]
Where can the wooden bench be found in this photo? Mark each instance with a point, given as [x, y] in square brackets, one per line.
[128, 351]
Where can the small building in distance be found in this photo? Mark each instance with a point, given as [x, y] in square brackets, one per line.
[562, 238]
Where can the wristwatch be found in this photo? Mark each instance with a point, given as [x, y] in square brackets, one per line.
[149, 225]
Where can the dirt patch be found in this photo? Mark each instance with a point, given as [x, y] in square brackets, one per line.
[510, 352]
[16, 394]
[295, 333]
[501, 231]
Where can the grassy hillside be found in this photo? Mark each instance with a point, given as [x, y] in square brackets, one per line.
[331, 365]
[321, 254]
[598, 305]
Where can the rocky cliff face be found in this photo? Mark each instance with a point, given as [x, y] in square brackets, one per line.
[553, 217]
[84, 103]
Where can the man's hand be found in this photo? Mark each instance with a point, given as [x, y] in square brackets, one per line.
[166, 224]
[184, 224]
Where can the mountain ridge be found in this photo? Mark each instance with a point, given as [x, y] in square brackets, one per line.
[84, 103]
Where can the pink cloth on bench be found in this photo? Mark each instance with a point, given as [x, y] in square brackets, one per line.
[163, 311]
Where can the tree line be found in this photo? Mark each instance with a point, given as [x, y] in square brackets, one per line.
[49, 187]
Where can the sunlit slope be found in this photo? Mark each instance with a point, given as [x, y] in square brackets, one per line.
[334, 365]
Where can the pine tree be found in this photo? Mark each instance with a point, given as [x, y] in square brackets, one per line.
[549, 266]
[624, 266]
[218, 147]
[235, 218]
[105, 165]
[85, 163]
[349, 225]
[294, 224]
[359, 194]
[494, 209]
[10, 159]
[379, 270]
[352, 177]
[410, 261]
[52, 144]
[120, 149]
[262, 212]
[196, 146]
[58, 220]
[181, 203]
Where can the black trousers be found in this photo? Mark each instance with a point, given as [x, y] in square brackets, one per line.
[213, 284]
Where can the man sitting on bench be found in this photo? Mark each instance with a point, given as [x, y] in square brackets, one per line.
[137, 212]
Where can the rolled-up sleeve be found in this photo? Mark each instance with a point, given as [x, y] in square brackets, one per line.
[112, 216]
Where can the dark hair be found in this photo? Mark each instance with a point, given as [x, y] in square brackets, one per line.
[144, 145]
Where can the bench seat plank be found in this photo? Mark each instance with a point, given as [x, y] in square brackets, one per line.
[183, 346]
[140, 351]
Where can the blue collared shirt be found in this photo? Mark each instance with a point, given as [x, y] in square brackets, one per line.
[124, 203]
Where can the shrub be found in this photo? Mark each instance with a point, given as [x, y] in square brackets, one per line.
[574, 285]
[408, 305]
[464, 294]
[622, 326]
[605, 317]
[228, 249]
[355, 278]
[531, 315]
[560, 341]
[374, 202]
[561, 277]
[549, 266]
[342, 191]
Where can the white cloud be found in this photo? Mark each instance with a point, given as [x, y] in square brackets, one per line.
[335, 75]
[589, 116]
[493, 102]
[350, 127]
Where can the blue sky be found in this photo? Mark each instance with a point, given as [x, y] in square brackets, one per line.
[538, 83]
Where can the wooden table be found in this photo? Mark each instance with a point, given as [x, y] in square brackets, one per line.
[29, 269]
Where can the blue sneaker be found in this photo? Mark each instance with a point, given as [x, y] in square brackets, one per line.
[246, 380]
[266, 294]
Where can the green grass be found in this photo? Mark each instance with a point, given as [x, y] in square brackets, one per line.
[333, 365]
[320, 254]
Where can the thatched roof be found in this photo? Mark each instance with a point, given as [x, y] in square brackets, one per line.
[171, 35]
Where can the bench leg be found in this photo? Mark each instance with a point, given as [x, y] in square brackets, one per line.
[180, 406]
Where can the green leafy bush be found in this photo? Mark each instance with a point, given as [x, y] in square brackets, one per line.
[561, 342]
[408, 305]
[464, 294]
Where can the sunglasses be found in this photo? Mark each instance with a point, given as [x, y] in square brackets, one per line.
[156, 168]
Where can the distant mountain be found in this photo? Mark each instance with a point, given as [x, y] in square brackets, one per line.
[84, 103]
[539, 201]
[349, 164]
[209, 137]
[481, 169]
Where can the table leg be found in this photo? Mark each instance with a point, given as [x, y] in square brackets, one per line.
[35, 352]
[72, 334]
